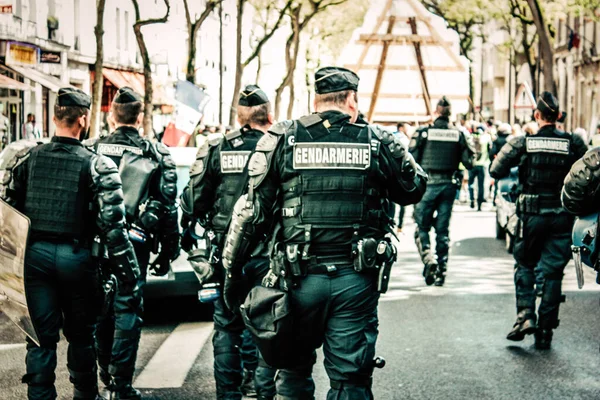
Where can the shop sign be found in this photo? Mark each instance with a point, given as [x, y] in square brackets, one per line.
[21, 54]
[6, 6]
[50, 57]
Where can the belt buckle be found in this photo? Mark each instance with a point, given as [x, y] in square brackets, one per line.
[331, 269]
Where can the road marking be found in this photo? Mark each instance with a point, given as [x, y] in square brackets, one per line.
[171, 363]
[11, 346]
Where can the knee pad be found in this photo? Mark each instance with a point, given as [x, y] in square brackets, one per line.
[39, 379]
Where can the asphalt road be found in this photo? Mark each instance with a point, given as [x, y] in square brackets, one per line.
[439, 343]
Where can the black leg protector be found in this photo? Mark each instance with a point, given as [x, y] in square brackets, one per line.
[550, 304]
[41, 364]
[228, 364]
[351, 390]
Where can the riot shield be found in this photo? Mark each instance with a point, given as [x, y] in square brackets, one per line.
[14, 231]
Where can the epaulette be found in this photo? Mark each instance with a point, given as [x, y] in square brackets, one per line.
[309, 120]
[215, 139]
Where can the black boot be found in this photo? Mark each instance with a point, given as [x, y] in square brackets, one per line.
[525, 325]
[429, 271]
[122, 390]
[248, 388]
[440, 275]
[543, 339]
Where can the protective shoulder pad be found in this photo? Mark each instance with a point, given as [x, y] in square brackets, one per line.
[162, 149]
[592, 159]
[90, 144]
[260, 161]
[11, 157]
[267, 142]
[105, 173]
[309, 120]
[215, 139]
[384, 136]
[281, 128]
[518, 142]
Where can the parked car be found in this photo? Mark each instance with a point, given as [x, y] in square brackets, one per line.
[506, 209]
[181, 280]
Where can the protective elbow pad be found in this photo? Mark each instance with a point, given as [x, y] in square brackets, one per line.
[111, 214]
[152, 214]
[122, 256]
[237, 241]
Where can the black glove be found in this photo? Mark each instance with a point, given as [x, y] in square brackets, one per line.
[188, 242]
[233, 293]
[162, 265]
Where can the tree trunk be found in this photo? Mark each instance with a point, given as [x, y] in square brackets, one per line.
[545, 45]
[239, 67]
[148, 92]
[471, 90]
[258, 67]
[190, 74]
[139, 37]
[98, 78]
[291, 83]
[289, 59]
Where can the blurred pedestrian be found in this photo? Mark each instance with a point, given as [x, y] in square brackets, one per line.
[4, 127]
[402, 133]
[504, 132]
[482, 143]
[31, 130]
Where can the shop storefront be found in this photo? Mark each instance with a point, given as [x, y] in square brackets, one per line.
[42, 72]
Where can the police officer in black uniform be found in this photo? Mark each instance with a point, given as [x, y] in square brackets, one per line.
[439, 149]
[217, 180]
[544, 232]
[329, 181]
[62, 187]
[150, 192]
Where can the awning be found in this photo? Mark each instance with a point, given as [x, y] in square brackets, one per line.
[48, 81]
[9, 83]
[134, 80]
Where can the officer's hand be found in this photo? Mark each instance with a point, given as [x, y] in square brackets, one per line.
[233, 291]
[161, 266]
[188, 242]
[408, 169]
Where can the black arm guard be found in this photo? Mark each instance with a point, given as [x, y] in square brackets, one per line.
[111, 219]
[162, 200]
[13, 156]
[509, 157]
[169, 235]
[582, 184]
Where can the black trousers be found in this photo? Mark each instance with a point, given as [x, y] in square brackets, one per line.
[233, 350]
[61, 282]
[544, 241]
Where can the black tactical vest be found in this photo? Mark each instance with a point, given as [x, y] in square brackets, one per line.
[233, 153]
[331, 191]
[125, 146]
[58, 200]
[549, 156]
[124, 140]
[441, 148]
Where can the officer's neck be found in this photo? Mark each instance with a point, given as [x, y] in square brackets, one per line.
[542, 123]
[260, 128]
[129, 127]
[70, 133]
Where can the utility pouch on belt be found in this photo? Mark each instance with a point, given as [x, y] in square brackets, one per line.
[380, 255]
[386, 255]
[366, 255]
[528, 204]
[291, 252]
